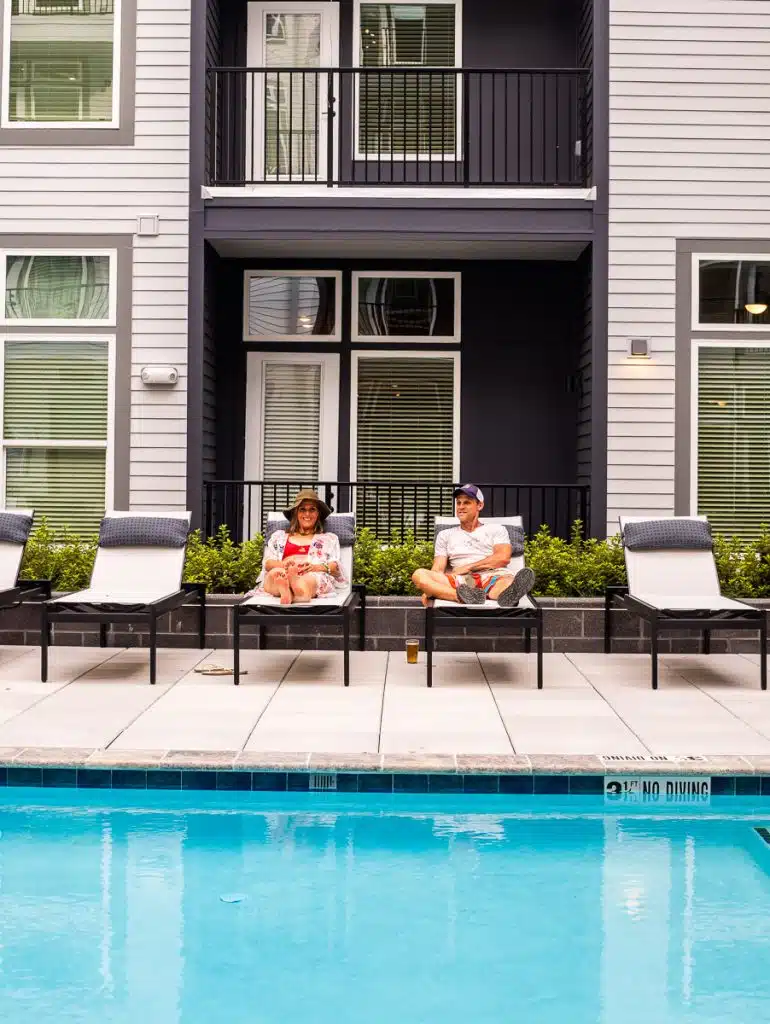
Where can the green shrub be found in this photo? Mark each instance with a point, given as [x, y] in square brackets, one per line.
[387, 569]
[225, 567]
[563, 568]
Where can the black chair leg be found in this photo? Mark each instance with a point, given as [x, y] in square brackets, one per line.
[527, 641]
[654, 652]
[707, 641]
[362, 621]
[539, 641]
[202, 618]
[429, 644]
[346, 646]
[103, 627]
[763, 654]
[237, 645]
[607, 621]
[45, 639]
[261, 638]
[153, 648]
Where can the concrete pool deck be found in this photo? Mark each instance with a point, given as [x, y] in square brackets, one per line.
[596, 712]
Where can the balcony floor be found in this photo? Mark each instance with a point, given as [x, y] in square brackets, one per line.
[291, 709]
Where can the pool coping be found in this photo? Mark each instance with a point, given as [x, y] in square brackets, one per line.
[729, 775]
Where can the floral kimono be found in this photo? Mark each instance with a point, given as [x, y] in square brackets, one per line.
[324, 548]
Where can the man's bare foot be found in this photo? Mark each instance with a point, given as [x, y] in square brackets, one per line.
[425, 600]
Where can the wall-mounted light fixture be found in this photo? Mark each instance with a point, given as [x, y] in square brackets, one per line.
[163, 376]
[639, 348]
[756, 308]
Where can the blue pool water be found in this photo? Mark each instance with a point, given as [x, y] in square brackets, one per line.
[383, 910]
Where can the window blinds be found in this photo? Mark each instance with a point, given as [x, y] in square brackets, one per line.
[67, 485]
[291, 426]
[734, 438]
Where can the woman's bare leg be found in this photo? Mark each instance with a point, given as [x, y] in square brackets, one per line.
[277, 584]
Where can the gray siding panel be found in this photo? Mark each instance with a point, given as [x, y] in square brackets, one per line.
[689, 158]
[102, 190]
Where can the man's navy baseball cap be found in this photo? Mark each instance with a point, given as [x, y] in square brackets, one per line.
[471, 490]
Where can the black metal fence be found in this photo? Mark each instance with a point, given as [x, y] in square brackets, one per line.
[397, 126]
[42, 7]
[392, 509]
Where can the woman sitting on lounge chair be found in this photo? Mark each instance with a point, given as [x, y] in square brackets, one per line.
[302, 562]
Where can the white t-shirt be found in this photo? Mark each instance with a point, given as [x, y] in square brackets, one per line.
[464, 547]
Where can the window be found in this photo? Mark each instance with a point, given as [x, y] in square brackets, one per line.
[403, 112]
[731, 472]
[731, 291]
[59, 288]
[56, 428]
[61, 65]
[289, 305]
[292, 425]
[406, 306]
[404, 427]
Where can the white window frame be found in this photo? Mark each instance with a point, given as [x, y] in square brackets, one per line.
[358, 356]
[5, 118]
[419, 339]
[336, 334]
[454, 156]
[730, 257]
[112, 305]
[107, 445]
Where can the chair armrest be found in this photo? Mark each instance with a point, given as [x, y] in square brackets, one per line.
[195, 588]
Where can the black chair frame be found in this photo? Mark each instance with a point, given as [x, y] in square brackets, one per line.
[287, 615]
[705, 621]
[52, 612]
[528, 619]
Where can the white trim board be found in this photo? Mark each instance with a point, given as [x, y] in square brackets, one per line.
[336, 335]
[420, 339]
[469, 196]
[5, 120]
[730, 257]
[356, 358]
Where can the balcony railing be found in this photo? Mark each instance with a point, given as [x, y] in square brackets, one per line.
[42, 7]
[397, 127]
[391, 509]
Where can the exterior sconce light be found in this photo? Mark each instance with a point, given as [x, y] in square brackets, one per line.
[756, 308]
[639, 348]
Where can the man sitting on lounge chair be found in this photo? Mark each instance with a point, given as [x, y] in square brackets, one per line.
[478, 557]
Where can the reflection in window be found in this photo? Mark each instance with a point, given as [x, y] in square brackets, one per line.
[406, 307]
[734, 292]
[61, 61]
[57, 287]
[291, 306]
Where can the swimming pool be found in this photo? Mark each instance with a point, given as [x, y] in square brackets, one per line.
[277, 907]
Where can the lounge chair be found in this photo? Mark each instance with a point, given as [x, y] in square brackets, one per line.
[263, 609]
[673, 584]
[137, 577]
[527, 615]
[15, 527]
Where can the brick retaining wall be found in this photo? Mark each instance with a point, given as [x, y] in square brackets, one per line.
[571, 624]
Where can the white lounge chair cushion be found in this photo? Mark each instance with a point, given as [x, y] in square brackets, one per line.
[93, 596]
[335, 600]
[692, 602]
[488, 606]
[675, 574]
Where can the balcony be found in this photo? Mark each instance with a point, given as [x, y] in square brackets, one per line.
[398, 127]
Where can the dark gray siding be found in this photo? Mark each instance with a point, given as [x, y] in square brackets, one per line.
[584, 383]
[209, 416]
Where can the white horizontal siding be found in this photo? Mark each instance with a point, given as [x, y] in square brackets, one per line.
[689, 158]
[102, 190]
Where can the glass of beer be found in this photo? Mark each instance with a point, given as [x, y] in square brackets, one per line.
[412, 650]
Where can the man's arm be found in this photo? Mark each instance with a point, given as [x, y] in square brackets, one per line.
[500, 557]
[439, 563]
